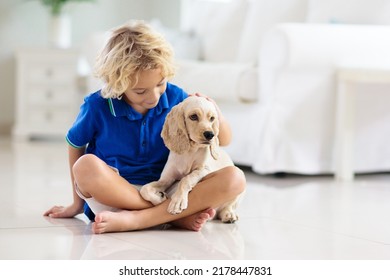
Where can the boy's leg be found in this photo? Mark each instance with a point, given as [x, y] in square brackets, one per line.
[216, 189]
[94, 178]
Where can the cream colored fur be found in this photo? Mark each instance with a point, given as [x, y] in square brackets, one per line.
[191, 134]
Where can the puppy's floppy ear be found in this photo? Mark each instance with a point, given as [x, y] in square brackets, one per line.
[174, 131]
[215, 142]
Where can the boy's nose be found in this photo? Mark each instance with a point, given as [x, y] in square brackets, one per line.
[156, 96]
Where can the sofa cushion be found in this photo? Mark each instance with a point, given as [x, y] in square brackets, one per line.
[186, 44]
[262, 16]
[219, 25]
[349, 11]
[227, 81]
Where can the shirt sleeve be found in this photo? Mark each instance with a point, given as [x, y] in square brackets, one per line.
[83, 129]
[178, 94]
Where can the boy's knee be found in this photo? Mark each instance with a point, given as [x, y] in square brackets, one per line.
[83, 166]
[236, 180]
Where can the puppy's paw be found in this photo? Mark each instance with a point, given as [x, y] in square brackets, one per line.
[158, 197]
[229, 217]
[150, 193]
[178, 204]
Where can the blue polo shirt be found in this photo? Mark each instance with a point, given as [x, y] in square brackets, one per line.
[123, 138]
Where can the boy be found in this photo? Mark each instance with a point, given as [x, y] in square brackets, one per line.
[115, 145]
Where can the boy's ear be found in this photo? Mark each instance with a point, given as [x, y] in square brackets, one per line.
[174, 132]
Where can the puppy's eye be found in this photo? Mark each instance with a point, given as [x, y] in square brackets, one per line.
[194, 117]
[212, 119]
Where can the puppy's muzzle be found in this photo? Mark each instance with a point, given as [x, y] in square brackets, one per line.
[208, 135]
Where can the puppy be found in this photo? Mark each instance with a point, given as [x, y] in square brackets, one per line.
[190, 132]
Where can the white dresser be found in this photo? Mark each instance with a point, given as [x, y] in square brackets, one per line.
[47, 92]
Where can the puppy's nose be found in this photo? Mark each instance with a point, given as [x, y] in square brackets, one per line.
[208, 135]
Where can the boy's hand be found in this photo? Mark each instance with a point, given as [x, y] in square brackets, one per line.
[63, 212]
[202, 95]
[209, 99]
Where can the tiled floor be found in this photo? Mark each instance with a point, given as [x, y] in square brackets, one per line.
[280, 218]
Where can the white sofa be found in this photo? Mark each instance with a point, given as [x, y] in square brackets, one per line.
[271, 65]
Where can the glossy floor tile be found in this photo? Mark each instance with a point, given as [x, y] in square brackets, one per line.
[293, 218]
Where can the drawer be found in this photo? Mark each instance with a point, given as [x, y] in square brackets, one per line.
[50, 73]
[47, 91]
[49, 118]
[50, 96]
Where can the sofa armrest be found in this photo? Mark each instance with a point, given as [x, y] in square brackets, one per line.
[302, 45]
[291, 48]
[222, 81]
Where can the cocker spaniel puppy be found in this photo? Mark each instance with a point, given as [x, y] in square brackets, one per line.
[191, 134]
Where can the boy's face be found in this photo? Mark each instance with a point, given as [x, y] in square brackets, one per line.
[146, 93]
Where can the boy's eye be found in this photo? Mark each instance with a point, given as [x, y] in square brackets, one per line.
[140, 92]
[162, 82]
[194, 117]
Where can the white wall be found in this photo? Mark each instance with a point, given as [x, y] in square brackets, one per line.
[25, 23]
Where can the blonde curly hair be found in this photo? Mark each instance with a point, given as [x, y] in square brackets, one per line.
[132, 48]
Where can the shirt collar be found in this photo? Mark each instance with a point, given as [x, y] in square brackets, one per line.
[119, 108]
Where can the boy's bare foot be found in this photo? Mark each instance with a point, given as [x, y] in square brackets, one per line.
[131, 220]
[196, 221]
[108, 221]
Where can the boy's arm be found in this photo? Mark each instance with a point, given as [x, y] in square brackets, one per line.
[225, 132]
[74, 155]
[77, 206]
